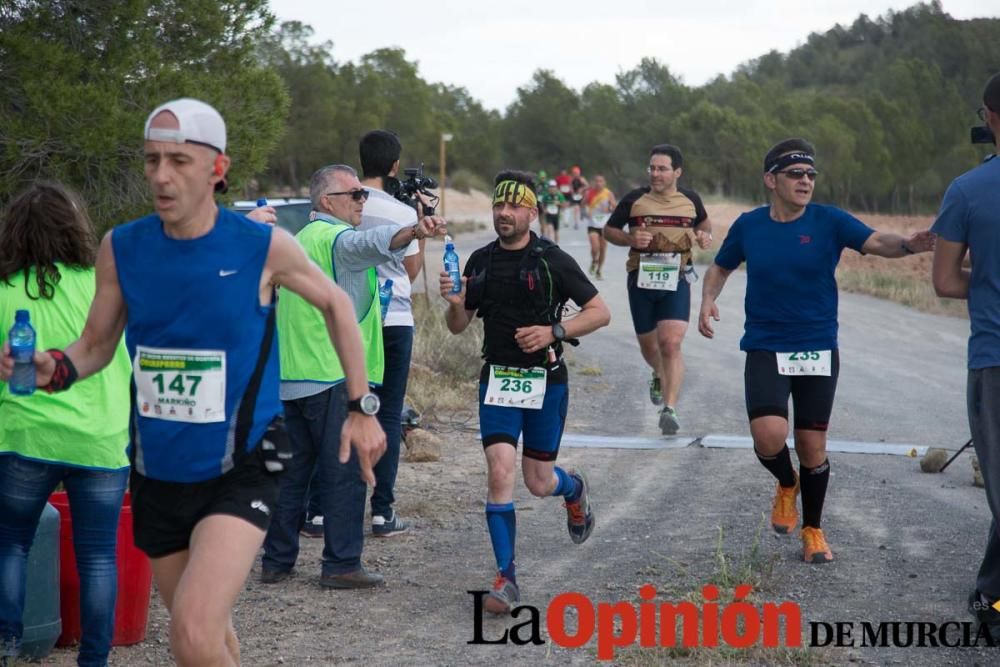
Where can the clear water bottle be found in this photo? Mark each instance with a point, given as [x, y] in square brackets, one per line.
[451, 265]
[384, 297]
[22, 349]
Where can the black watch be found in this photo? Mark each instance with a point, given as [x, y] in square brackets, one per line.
[558, 332]
[368, 404]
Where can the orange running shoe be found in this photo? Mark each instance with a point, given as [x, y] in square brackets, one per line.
[814, 546]
[785, 514]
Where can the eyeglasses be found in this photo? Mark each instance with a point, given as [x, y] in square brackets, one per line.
[651, 169]
[796, 174]
[356, 195]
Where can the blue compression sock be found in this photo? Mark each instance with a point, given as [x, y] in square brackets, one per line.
[502, 523]
[569, 486]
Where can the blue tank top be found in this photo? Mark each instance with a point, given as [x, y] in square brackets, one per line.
[204, 351]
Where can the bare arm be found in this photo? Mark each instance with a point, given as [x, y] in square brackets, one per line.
[456, 317]
[703, 233]
[639, 238]
[413, 263]
[950, 279]
[592, 316]
[288, 266]
[101, 334]
[885, 244]
[715, 280]
[617, 236]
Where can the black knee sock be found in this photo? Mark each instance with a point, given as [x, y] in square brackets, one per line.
[813, 481]
[780, 466]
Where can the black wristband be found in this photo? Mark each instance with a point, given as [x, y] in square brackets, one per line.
[906, 248]
[64, 375]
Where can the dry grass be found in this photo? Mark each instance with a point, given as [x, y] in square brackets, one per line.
[901, 288]
[444, 371]
[749, 567]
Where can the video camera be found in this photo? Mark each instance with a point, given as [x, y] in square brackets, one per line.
[406, 191]
[982, 134]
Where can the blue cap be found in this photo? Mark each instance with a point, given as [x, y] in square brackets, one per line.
[261, 202]
[21, 316]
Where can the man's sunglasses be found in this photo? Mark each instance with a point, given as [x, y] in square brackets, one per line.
[796, 174]
[356, 195]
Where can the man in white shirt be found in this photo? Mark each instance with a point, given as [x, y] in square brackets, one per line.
[380, 150]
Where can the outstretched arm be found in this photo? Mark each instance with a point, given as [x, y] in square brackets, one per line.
[288, 266]
[886, 244]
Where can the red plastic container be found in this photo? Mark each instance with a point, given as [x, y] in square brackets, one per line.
[135, 580]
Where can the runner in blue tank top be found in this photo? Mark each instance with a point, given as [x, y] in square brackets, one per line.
[791, 249]
[194, 284]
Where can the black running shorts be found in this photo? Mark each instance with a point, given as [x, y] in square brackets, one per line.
[767, 391]
[164, 514]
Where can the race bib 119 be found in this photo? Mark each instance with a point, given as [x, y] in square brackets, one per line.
[659, 271]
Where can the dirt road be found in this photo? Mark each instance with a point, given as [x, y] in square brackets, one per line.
[906, 544]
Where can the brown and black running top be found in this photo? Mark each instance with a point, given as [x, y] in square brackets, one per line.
[670, 218]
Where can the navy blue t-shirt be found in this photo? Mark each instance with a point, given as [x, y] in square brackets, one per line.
[970, 215]
[791, 299]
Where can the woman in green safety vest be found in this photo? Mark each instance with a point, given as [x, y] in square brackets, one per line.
[48, 247]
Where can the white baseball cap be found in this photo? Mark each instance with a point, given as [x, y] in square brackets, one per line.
[198, 123]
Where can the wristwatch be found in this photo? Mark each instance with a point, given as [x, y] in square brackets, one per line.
[558, 332]
[367, 404]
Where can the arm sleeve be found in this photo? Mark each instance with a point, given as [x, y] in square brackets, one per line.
[851, 232]
[731, 254]
[952, 222]
[358, 250]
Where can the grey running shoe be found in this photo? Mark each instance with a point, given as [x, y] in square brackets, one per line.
[388, 527]
[655, 394]
[579, 514]
[503, 596]
[669, 424]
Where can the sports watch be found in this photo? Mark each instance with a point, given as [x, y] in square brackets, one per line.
[558, 332]
[367, 404]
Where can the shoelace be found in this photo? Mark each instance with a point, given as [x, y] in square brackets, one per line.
[815, 540]
[786, 501]
[575, 510]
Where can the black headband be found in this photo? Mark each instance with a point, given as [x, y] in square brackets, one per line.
[783, 161]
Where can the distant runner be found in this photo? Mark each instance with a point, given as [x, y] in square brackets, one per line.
[665, 221]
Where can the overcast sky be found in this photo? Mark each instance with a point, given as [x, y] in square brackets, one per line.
[491, 48]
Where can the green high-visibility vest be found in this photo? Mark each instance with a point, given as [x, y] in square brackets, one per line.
[87, 425]
[303, 339]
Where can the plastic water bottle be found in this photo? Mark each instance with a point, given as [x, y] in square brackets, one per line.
[384, 297]
[451, 265]
[22, 348]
